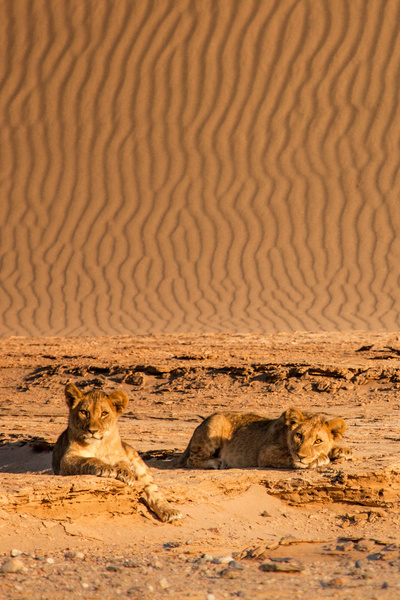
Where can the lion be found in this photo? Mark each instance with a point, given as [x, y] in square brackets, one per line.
[92, 445]
[295, 440]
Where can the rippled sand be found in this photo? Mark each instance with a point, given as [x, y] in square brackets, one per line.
[189, 166]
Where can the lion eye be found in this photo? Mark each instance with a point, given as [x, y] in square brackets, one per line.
[83, 412]
[104, 414]
[299, 437]
[318, 441]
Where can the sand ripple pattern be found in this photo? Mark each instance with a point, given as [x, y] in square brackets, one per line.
[199, 165]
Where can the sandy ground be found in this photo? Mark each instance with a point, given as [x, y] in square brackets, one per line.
[335, 528]
[179, 166]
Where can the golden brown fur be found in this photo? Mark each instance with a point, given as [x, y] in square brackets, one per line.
[294, 440]
[91, 445]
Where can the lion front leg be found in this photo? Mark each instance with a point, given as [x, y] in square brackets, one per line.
[154, 498]
[77, 465]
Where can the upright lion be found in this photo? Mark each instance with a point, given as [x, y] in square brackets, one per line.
[294, 440]
[91, 445]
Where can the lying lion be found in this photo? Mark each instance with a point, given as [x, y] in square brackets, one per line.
[91, 445]
[294, 440]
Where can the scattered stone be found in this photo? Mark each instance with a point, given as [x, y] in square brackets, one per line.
[50, 561]
[235, 566]
[113, 568]
[229, 574]
[163, 583]
[207, 557]
[365, 545]
[223, 560]
[360, 564]
[85, 585]
[171, 545]
[265, 513]
[345, 546]
[71, 554]
[15, 552]
[12, 565]
[284, 566]
[157, 564]
[210, 597]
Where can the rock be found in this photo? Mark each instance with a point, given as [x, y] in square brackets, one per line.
[171, 545]
[15, 553]
[113, 568]
[345, 546]
[208, 558]
[365, 545]
[235, 566]
[163, 583]
[229, 574]
[12, 565]
[210, 597]
[50, 561]
[71, 554]
[223, 560]
[285, 566]
[360, 564]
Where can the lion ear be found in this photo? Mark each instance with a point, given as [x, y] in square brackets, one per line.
[72, 395]
[337, 427]
[119, 400]
[293, 416]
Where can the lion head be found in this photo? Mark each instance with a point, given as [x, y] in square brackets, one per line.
[311, 436]
[93, 416]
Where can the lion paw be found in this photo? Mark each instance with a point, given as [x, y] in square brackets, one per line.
[321, 461]
[167, 515]
[338, 452]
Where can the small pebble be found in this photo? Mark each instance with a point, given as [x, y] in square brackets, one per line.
[16, 552]
[85, 585]
[171, 544]
[207, 557]
[150, 588]
[12, 565]
[235, 566]
[223, 560]
[210, 597]
[157, 564]
[229, 574]
[164, 583]
[50, 561]
[360, 564]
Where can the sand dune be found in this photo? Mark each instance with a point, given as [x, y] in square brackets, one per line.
[180, 165]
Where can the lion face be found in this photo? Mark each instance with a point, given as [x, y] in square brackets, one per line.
[311, 436]
[93, 416]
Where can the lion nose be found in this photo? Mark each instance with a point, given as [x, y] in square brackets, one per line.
[93, 431]
[302, 455]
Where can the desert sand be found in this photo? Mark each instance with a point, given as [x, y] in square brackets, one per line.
[199, 204]
[199, 166]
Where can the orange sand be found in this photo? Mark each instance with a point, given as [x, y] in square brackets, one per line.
[199, 165]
